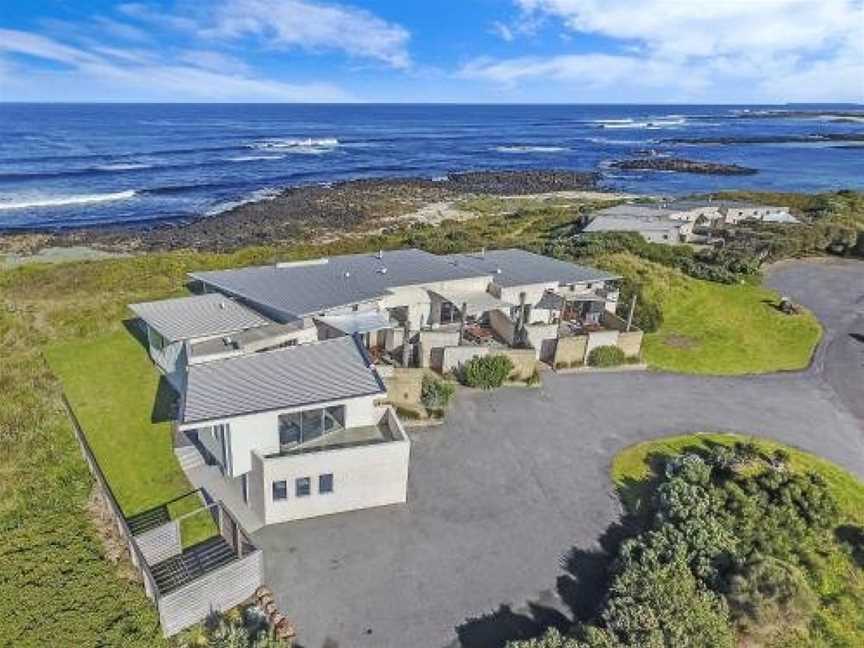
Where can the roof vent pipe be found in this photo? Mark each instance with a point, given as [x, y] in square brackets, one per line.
[347, 274]
[483, 252]
[380, 255]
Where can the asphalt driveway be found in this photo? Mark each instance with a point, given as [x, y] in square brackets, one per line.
[500, 494]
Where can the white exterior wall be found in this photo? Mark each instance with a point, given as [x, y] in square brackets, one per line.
[533, 292]
[537, 333]
[601, 338]
[260, 431]
[415, 299]
[363, 477]
[171, 359]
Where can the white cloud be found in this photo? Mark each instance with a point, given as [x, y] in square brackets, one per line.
[502, 31]
[109, 73]
[731, 50]
[280, 24]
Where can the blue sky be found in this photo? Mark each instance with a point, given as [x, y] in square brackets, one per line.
[664, 51]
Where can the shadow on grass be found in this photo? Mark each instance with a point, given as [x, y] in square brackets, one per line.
[133, 326]
[852, 537]
[165, 404]
[166, 400]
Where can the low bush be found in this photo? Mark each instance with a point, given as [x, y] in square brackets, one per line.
[436, 394]
[486, 372]
[606, 356]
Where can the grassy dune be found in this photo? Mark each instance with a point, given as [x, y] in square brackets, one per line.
[711, 328]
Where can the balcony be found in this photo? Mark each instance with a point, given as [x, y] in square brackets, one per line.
[388, 429]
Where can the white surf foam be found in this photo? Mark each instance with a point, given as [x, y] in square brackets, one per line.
[122, 166]
[62, 201]
[254, 158]
[259, 195]
[531, 149]
[294, 145]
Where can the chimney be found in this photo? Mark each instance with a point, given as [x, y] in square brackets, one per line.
[483, 252]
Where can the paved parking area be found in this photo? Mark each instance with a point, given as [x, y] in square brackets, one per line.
[515, 479]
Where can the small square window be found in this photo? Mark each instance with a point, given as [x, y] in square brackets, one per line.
[280, 490]
[325, 483]
[303, 486]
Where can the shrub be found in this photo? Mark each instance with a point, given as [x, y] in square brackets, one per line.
[436, 394]
[768, 594]
[606, 356]
[533, 379]
[486, 372]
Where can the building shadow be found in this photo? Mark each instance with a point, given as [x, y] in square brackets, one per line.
[165, 403]
[495, 629]
[858, 337]
[134, 328]
[853, 538]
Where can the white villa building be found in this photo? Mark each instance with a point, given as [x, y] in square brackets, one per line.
[674, 222]
[280, 368]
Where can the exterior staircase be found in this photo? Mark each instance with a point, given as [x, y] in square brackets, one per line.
[189, 457]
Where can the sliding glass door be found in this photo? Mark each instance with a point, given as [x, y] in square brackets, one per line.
[302, 427]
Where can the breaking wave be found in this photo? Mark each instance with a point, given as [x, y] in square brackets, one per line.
[268, 193]
[62, 201]
[254, 158]
[294, 145]
[531, 149]
[662, 122]
[121, 166]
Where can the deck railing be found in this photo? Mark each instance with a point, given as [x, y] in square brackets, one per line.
[230, 582]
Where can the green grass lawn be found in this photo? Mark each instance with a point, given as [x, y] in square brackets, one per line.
[116, 394]
[839, 583]
[711, 328]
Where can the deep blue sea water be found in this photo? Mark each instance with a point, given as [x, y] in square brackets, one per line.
[73, 165]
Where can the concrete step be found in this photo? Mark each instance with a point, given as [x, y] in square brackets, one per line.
[189, 457]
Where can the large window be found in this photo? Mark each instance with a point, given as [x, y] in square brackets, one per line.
[301, 427]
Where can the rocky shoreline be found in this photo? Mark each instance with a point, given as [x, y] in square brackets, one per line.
[680, 165]
[771, 139]
[309, 212]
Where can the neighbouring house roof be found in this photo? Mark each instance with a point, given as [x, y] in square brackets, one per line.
[636, 210]
[515, 267]
[311, 287]
[306, 374]
[247, 341]
[554, 301]
[476, 302]
[187, 318]
[360, 322]
[607, 223]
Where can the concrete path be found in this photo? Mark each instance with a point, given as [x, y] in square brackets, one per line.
[507, 499]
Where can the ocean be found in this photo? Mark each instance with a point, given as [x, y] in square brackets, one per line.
[74, 165]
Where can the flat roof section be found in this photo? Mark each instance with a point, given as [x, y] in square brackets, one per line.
[198, 316]
[296, 376]
[516, 267]
[311, 287]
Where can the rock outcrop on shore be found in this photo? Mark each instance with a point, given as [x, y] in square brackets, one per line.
[314, 210]
[770, 139]
[681, 165]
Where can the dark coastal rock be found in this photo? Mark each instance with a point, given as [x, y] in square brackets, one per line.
[770, 139]
[301, 213]
[681, 165]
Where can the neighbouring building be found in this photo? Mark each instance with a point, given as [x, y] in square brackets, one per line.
[676, 221]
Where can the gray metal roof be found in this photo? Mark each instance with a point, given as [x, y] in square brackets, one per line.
[604, 223]
[311, 287]
[516, 267]
[636, 210]
[186, 318]
[295, 376]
